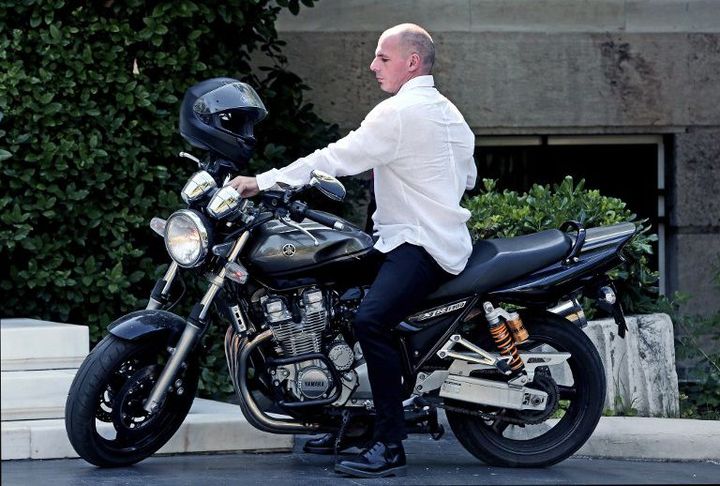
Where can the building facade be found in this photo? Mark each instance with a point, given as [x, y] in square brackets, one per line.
[623, 92]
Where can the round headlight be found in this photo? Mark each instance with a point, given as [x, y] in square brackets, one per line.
[186, 238]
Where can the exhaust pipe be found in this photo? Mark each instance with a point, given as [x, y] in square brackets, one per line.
[237, 365]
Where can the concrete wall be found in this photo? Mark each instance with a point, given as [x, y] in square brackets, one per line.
[695, 216]
[552, 67]
[527, 82]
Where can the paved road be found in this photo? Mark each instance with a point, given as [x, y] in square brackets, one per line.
[430, 462]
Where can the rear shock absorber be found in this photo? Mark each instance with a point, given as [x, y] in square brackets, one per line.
[504, 339]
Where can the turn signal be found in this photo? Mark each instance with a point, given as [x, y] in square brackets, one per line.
[236, 272]
[158, 225]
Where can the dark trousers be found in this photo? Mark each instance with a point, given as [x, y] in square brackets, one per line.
[407, 275]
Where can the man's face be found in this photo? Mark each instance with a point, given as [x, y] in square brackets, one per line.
[391, 64]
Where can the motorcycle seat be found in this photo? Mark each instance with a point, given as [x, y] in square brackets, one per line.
[495, 262]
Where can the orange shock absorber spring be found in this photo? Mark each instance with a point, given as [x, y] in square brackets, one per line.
[515, 325]
[506, 344]
[504, 339]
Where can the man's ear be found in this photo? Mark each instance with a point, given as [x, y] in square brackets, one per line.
[414, 62]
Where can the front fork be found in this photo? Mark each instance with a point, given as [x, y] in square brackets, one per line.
[194, 325]
[161, 292]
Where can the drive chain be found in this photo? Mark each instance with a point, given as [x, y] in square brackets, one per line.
[484, 415]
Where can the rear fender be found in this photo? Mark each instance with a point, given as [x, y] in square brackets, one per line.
[603, 236]
[148, 323]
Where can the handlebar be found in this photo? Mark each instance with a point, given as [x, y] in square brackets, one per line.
[282, 204]
[325, 219]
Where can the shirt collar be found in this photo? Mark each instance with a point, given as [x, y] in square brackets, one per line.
[418, 82]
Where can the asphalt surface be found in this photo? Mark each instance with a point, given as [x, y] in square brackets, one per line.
[429, 462]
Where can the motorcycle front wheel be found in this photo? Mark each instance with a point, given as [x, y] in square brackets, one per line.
[576, 389]
[104, 416]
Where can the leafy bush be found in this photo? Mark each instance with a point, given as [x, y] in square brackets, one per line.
[90, 94]
[89, 97]
[503, 214]
[698, 343]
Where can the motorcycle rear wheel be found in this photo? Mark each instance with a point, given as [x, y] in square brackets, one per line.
[498, 444]
[104, 418]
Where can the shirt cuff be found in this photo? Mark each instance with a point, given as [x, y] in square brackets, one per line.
[267, 179]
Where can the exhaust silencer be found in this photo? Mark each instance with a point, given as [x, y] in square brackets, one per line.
[492, 393]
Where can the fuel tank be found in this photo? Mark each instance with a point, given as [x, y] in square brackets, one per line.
[283, 257]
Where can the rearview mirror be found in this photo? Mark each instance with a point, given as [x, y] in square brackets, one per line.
[328, 185]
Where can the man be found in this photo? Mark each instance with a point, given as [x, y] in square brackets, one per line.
[421, 151]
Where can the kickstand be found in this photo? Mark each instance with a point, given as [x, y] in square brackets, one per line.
[433, 426]
[436, 429]
[343, 430]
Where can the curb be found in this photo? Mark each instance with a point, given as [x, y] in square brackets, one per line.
[210, 427]
[648, 438]
[660, 439]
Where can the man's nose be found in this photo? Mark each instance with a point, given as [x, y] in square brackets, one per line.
[373, 67]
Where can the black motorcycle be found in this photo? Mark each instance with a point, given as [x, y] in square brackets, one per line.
[499, 348]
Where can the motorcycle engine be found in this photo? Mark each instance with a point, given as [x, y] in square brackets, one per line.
[295, 338]
[306, 380]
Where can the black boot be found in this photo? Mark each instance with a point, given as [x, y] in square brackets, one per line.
[325, 444]
[378, 461]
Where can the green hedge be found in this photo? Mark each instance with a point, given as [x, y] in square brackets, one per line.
[89, 97]
[501, 214]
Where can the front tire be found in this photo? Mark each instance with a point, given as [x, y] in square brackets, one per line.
[583, 395]
[104, 418]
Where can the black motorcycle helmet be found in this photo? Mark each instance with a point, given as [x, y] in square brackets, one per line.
[218, 115]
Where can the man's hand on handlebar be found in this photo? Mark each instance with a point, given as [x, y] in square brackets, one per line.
[246, 186]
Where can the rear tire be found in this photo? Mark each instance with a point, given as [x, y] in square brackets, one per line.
[104, 418]
[586, 398]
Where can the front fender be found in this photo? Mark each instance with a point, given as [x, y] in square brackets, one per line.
[145, 323]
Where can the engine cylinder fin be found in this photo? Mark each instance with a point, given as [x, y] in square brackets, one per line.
[295, 338]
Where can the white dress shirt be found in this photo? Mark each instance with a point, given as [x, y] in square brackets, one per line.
[421, 151]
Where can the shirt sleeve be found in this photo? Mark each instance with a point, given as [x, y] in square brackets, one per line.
[373, 144]
[472, 175]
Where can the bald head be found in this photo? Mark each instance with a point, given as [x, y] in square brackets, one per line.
[415, 39]
[403, 52]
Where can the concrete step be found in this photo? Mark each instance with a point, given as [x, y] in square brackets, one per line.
[210, 427]
[29, 344]
[37, 394]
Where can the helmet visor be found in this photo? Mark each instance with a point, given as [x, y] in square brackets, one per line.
[233, 96]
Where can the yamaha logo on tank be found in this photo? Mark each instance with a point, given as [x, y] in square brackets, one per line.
[288, 250]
